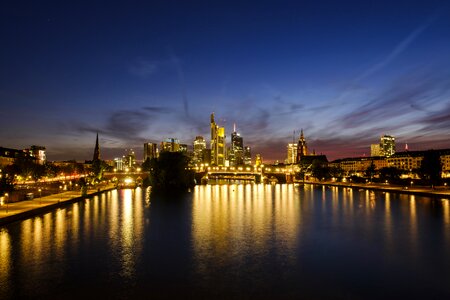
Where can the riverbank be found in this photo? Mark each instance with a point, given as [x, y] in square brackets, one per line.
[411, 190]
[11, 212]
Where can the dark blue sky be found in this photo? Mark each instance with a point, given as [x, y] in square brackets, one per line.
[344, 71]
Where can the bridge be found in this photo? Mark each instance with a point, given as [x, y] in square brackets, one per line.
[256, 174]
[126, 179]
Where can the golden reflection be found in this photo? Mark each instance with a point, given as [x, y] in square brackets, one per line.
[60, 233]
[5, 259]
[446, 217]
[413, 222]
[388, 222]
[446, 212]
[126, 229]
[235, 221]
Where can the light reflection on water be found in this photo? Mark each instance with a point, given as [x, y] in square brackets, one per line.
[233, 241]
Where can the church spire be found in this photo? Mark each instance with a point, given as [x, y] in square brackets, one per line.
[96, 150]
[302, 148]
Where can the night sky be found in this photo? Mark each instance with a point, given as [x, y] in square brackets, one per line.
[344, 71]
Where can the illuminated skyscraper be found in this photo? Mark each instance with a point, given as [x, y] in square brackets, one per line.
[236, 155]
[199, 150]
[291, 153]
[247, 156]
[217, 143]
[302, 148]
[387, 145]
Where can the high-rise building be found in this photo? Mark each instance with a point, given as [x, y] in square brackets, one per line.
[375, 150]
[236, 154]
[217, 143]
[291, 153]
[302, 148]
[247, 156]
[118, 163]
[170, 145]
[130, 159]
[199, 149]
[387, 145]
[150, 151]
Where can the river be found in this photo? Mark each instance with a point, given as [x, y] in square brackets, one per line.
[248, 241]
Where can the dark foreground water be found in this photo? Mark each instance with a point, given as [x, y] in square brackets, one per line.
[237, 241]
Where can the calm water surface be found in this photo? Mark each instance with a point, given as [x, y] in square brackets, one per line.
[233, 241]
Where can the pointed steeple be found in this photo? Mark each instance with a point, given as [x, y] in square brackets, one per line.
[302, 148]
[96, 150]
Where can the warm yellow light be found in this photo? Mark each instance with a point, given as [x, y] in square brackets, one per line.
[128, 180]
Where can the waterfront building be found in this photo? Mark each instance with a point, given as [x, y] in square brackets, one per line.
[150, 151]
[217, 143]
[302, 148]
[291, 153]
[8, 156]
[358, 165]
[406, 161]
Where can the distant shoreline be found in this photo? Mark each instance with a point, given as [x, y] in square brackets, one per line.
[414, 190]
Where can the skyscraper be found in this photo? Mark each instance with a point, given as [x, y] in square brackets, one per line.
[217, 143]
[170, 145]
[199, 149]
[150, 151]
[247, 156]
[302, 148]
[291, 153]
[387, 145]
[236, 155]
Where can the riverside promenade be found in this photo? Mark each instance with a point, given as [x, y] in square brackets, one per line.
[11, 212]
[440, 191]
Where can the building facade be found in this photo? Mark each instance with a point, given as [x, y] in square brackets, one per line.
[150, 151]
[217, 143]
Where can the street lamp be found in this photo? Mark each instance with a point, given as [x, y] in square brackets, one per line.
[40, 196]
[6, 200]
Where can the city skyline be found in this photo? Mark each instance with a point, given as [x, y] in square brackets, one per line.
[346, 73]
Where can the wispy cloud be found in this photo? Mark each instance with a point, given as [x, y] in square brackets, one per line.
[398, 49]
[143, 68]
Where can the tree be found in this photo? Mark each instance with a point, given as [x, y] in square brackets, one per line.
[431, 167]
[320, 170]
[391, 174]
[170, 173]
[6, 183]
[370, 171]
